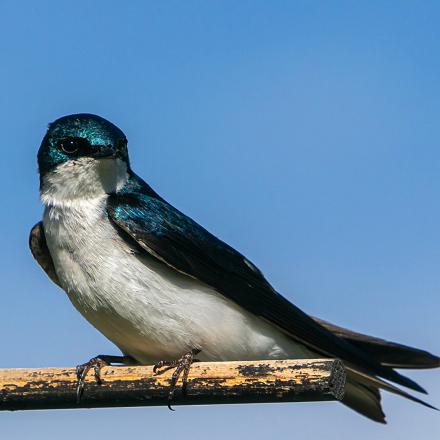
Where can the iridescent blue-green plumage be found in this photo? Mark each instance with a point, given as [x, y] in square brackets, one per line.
[181, 243]
[100, 137]
[83, 147]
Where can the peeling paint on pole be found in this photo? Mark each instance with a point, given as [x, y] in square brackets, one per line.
[208, 383]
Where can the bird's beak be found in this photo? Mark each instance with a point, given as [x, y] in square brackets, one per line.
[105, 151]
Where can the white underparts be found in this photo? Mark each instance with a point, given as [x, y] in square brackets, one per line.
[149, 310]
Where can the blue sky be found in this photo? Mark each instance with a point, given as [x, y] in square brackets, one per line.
[305, 134]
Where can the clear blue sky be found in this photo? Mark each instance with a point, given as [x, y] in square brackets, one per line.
[305, 134]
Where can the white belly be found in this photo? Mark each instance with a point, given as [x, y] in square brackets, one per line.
[150, 311]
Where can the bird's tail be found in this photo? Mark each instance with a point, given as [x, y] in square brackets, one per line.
[362, 392]
[364, 399]
[387, 353]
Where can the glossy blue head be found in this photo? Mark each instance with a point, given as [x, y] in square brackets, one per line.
[81, 135]
[81, 156]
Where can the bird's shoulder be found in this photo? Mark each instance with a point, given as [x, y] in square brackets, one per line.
[151, 220]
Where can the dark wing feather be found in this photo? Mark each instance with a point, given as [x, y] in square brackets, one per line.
[40, 251]
[179, 242]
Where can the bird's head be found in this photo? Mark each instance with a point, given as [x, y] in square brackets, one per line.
[82, 156]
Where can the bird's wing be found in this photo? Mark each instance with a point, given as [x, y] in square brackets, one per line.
[40, 251]
[176, 240]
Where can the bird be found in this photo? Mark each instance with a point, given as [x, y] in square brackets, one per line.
[165, 290]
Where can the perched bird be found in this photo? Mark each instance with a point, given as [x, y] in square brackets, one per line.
[161, 287]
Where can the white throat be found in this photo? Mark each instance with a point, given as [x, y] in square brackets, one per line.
[82, 179]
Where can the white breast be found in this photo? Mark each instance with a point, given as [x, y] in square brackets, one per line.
[147, 309]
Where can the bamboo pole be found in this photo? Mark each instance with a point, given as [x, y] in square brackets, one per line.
[208, 383]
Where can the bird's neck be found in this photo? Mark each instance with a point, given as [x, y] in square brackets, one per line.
[82, 180]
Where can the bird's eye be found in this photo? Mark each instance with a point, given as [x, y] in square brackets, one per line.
[70, 145]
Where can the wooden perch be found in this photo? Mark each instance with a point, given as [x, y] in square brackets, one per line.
[208, 383]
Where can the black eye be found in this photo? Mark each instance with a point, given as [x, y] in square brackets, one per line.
[71, 145]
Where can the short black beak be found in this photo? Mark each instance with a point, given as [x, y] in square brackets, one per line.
[105, 151]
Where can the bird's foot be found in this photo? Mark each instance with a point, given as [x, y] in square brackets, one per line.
[183, 366]
[96, 363]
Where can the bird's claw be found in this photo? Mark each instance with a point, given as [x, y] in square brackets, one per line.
[81, 372]
[183, 366]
